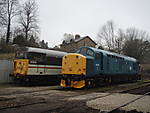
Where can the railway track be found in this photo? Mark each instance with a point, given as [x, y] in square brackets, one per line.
[22, 105]
[28, 92]
[143, 90]
[125, 91]
[131, 90]
[131, 101]
[134, 90]
[58, 88]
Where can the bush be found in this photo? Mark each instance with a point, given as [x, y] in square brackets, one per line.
[7, 49]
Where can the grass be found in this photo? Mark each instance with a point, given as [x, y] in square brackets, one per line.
[7, 56]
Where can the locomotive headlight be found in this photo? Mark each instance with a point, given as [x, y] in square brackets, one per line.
[78, 57]
[70, 68]
[84, 69]
[79, 70]
[65, 57]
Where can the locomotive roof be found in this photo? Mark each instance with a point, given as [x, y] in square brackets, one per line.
[46, 51]
[114, 54]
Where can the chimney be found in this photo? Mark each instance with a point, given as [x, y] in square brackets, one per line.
[77, 37]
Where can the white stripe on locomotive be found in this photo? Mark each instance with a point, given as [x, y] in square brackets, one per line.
[44, 70]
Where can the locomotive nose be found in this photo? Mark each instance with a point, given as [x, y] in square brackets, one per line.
[74, 63]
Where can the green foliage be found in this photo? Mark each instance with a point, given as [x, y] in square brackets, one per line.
[32, 42]
[5, 48]
[43, 44]
[138, 49]
[136, 44]
[20, 40]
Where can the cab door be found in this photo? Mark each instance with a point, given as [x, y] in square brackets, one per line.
[41, 63]
[97, 63]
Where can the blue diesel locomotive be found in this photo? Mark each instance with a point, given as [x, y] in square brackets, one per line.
[91, 66]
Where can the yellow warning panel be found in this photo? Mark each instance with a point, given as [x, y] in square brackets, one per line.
[78, 84]
[73, 84]
[21, 66]
[74, 63]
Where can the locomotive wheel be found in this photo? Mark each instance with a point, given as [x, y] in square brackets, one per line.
[90, 83]
[109, 80]
[139, 77]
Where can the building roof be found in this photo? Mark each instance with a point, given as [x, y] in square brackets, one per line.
[77, 40]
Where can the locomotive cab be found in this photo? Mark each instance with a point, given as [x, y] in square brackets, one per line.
[78, 66]
[21, 64]
[73, 70]
[35, 65]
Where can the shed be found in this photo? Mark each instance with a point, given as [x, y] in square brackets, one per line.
[6, 68]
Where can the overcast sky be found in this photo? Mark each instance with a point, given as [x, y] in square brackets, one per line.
[85, 17]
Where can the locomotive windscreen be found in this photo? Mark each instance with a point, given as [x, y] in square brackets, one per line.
[21, 55]
[86, 51]
[36, 57]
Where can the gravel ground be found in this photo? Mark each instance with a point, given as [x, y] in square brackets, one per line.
[54, 99]
[88, 96]
[41, 100]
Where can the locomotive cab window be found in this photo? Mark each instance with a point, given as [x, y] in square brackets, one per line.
[21, 55]
[36, 57]
[97, 56]
[90, 52]
[53, 61]
[83, 51]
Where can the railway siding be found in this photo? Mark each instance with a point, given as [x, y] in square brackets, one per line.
[47, 99]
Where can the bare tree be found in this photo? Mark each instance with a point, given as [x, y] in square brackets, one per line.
[132, 33]
[17, 31]
[107, 35]
[29, 18]
[8, 10]
[136, 43]
[119, 41]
